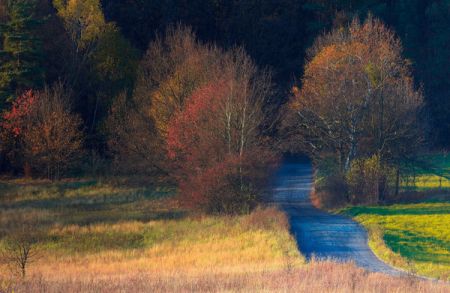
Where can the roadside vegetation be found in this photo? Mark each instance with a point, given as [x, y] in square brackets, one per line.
[357, 113]
[369, 148]
[414, 237]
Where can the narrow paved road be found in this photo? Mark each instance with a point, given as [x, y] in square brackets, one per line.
[317, 232]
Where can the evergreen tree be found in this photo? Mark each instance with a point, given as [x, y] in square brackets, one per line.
[21, 50]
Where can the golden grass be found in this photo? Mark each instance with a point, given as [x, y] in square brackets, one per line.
[244, 243]
[430, 181]
[152, 244]
[35, 190]
[315, 277]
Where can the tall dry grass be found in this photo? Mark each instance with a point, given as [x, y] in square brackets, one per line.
[152, 245]
[161, 247]
[315, 277]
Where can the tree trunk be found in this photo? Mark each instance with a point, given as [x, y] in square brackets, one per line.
[397, 182]
[381, 188]
[27, 170]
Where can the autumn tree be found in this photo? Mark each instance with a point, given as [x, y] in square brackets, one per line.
[172, 69]
[216, 140]
[174, 66]
[132, 140]
[43, 134]
[101, 63]
[11, 131]
[357, 97]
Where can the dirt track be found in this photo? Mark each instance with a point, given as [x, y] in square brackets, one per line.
[317, 232]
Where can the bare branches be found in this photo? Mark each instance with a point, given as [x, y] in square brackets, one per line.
[21, 246]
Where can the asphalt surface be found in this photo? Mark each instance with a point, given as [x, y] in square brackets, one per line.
[318, 233]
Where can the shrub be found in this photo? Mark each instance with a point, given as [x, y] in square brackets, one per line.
[331, 192]
[369, 180]
[231, 187]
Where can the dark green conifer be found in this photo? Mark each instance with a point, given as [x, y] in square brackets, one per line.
[20, 50]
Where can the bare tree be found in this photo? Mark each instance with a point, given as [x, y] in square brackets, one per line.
[21, 247]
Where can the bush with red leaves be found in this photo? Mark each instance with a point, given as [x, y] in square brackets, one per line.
[219, 155]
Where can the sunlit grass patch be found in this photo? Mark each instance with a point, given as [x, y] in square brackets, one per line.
[86, 230]
[46, 194]
[430, 172]
[418, 233]
[252, 242]
[427, 182]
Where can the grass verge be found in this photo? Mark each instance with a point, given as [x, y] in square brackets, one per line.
[414, 237]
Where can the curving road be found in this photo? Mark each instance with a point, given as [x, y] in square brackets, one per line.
[317, 232]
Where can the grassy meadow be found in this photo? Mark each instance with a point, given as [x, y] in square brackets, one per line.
[415, 237]
[431, 172]
[91, 228]
[118, 237]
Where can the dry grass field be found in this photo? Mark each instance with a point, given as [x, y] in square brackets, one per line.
[315, 277]
[97, 237]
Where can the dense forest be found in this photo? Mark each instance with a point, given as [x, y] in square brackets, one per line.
[274, 33]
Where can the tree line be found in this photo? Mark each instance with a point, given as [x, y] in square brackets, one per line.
[279, 33]
[202, 92]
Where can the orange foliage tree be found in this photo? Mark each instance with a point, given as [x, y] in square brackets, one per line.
[41, 133]
[219, 153]
[357, 98]
[174, 66]
[357, 95]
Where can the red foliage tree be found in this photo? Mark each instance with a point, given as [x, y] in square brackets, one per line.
[219, 154]
[11, 127]
[13, 120]
[39, 132]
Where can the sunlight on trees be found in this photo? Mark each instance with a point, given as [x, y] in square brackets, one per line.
[357, 98]
[174, 66]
